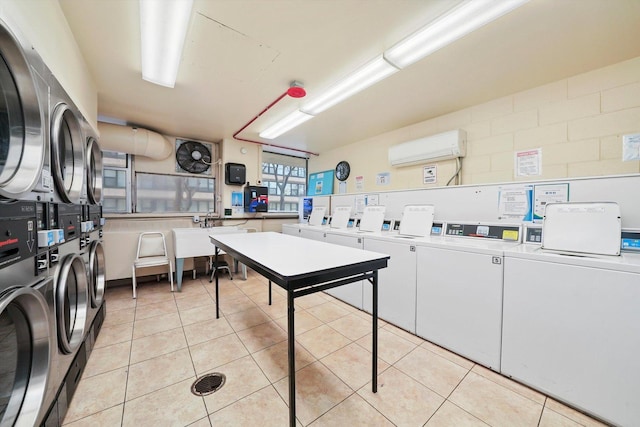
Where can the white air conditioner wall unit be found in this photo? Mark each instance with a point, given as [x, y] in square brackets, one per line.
[443, 146]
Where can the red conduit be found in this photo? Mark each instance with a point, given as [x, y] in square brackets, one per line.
[235, 135]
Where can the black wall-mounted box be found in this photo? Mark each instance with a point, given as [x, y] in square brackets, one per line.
[256, 199]
[235, 174]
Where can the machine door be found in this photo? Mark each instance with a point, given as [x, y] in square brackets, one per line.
[24, 356]
[71, 303]
[67, 150]
[94, 171]
[96, 273]
[22, 142]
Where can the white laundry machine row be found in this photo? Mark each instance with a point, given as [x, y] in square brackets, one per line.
[446, 288]
[570, 328]
[352, 293]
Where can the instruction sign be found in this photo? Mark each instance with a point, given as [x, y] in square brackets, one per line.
[514, 203]
[548, 193]
[529, 162]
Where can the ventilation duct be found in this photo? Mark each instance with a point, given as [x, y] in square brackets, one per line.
[136, 141]
[443, 146]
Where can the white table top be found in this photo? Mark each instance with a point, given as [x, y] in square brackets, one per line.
[286, 259]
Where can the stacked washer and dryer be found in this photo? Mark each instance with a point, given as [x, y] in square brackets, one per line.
[51, 257]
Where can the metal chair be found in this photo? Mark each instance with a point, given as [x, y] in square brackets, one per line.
[222, 265]
[152, 251]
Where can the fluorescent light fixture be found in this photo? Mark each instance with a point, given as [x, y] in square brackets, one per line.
[163, 29]
[457, 23]
[285, 124]
[460, 21]
[365, 76]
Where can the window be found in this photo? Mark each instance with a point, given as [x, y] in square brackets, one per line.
[174, 193]
[126, 190]
[286, 177]
[115, 184]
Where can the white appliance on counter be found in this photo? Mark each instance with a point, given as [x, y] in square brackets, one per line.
[459, 289]
[570, 328]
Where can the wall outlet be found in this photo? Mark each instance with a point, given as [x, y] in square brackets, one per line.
[196, 219]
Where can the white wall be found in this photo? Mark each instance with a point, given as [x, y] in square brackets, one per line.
[578, 122]
[44, 25]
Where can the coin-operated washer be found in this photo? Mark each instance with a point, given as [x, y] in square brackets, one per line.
[26, 326]
[459, 288]
[570, 326]
[93, 255]
[69, 272]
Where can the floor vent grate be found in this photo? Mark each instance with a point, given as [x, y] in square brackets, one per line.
[207, 384]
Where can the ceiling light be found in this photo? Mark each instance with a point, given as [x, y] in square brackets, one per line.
[163, 29]
[288, 122]
[460, 21]
[365, 76]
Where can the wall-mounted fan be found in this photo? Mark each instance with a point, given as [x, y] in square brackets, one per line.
[193, 157]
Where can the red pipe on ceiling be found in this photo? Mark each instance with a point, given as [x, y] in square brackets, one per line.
[295, 92]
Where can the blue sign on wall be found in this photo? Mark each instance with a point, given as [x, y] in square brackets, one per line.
[320, 183]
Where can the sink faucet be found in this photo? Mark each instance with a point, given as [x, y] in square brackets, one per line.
[208, 219]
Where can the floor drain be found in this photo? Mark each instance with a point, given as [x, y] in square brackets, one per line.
[207, 384]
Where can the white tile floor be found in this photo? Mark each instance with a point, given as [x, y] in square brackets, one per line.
[150, 351]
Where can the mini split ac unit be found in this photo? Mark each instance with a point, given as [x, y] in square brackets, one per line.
[443, 146]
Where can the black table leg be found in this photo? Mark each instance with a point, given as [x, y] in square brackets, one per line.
[292, 359]
[374, 371]
[269, 292]
[214, 273]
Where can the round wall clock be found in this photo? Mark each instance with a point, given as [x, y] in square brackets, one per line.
[342, 170]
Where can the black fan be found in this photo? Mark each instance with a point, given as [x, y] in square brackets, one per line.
[193, 157]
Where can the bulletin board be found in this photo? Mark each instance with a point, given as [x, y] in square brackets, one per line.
[320, 183]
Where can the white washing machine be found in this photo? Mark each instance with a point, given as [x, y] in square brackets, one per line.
[24, 96]
[459, 289]
[27, 336]
[351, 293]
[570, 329]
[68, 146]
[396, 283]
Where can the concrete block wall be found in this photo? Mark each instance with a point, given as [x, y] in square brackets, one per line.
[578, 123]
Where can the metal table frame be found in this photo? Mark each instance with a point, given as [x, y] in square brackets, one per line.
[306, 284]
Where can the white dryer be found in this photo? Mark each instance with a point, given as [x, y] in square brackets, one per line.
[459, 289]
[24, 96]
[570, 328]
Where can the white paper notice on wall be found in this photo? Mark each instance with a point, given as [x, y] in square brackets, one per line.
[631, 147]
[430, 174]
[528, 162]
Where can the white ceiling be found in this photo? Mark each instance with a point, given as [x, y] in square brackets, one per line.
[240, 55]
